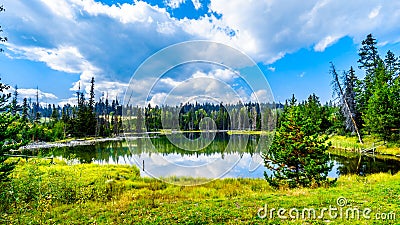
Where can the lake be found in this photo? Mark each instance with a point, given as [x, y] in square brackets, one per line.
[209, 155]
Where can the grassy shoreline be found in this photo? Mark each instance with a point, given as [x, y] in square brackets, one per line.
[112, 194]
[352, 144]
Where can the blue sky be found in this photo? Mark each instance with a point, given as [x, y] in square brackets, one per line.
[56, 45]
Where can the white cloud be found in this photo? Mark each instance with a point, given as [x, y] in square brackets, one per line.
[64, 58]
[166, 28]
[114, 89]
[269, 30]
[216, 86]
[375, 12]
[280, 27]
[109, 42]
[261, 96]
[138, 12]
[196, 4]
[224, 75]
[271, 68]
[102, 87]
[60, 8]
[166, 99]
[170, 82]
[32, 93]
[324, 43]
[174, 3]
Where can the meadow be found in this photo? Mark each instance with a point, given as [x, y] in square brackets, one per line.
[44, 193]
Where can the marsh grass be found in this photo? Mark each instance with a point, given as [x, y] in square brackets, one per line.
[43, 193]
[351, 143]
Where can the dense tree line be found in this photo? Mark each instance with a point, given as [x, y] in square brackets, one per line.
[370, 104]
[51, 122]
[204, 116]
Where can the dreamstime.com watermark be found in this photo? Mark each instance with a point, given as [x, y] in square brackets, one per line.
[339, 211]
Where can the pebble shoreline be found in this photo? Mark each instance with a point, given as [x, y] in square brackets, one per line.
[41, 145]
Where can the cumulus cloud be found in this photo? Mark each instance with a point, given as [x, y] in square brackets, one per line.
[224, 75]
[64, 58]
[280, 27]
[90, 38]
[170, 82]
[217, 85]
[103, 88]
[32, 93]
[269, 30]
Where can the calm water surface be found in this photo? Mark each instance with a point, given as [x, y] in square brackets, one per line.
[212, 155]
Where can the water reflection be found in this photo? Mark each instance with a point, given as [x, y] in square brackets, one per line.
[363, 164]
[227, 155]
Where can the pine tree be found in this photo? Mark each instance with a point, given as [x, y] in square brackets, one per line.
[392, 65]
[91, 114]
[80, 124]
[91, 98]
[297, 155]
[10, 128]
[54, 114]
[36, 107]
[14, 102]
[369, 59]
[25, 109]
[381, 113]
[368, 53]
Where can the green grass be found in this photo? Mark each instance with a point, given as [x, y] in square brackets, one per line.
[109, 194]
[352, 144]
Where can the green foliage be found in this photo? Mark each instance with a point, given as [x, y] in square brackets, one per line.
[11, 129]
[40, 190]
[368, 61]
[382, 114]
[191, 117]
[377, 96]
[297, 155]
[58, 131]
